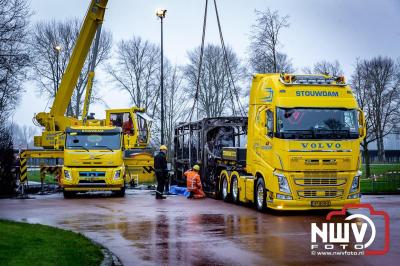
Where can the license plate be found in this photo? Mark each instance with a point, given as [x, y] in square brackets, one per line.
[325, 203]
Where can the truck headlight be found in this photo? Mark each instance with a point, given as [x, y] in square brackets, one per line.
[117, 174]
[283, 197]
[67, 174]
[283, 183]
[354, 196]
[356, 182]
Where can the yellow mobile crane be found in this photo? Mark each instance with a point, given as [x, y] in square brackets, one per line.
[96, 153]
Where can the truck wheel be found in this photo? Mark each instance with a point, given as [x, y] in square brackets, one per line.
[120, 193]
[225, 194]
[235, 190]
[69, 194]
[260, 195]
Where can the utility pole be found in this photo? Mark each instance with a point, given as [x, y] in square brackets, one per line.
[161, 14]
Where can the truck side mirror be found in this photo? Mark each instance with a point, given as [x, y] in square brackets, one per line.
[362, 131]
[269, 127]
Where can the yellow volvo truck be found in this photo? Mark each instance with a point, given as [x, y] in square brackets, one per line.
[299, 148]
[93, 160]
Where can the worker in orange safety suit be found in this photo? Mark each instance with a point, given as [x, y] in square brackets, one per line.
[193, 183]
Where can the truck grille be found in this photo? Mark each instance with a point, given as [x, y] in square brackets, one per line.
[320, 181]
[320, 193]
[92, 174]
[315, 174]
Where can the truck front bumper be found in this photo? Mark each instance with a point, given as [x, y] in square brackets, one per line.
[92, 179]
[300, 205]
[92, 188]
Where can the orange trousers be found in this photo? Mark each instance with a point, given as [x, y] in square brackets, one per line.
[198, 193]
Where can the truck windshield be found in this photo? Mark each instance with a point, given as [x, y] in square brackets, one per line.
[317, 123]
[91, 141]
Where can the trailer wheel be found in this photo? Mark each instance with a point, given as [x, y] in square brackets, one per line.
[235, 189]
[260, 196]
[225, 193]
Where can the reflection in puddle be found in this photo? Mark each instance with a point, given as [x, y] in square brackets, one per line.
[194, 239]
[175, 238]
[176, 232]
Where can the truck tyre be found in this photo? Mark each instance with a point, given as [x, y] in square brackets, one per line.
[235, 189]
[226, 196]
[69, 194]
[120, 193]
[260, 196]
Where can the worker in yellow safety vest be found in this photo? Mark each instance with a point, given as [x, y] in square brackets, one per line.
[193, 183]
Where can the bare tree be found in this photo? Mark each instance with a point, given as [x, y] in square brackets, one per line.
[359, 84]
[384, 80]
[217, 95]
[264, 43]
[7, 160]
[325, 67]
[52, 46]
[377, 85]
[14, 55]
[23, 136]
[136, 71]
[262, 63]
[176, 104]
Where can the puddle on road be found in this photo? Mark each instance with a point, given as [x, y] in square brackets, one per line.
[176, 233]
[220, 238]
[177, 237]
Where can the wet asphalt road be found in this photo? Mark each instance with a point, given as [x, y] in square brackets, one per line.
[141, 230]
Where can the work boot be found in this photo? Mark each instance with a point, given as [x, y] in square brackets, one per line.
[159, 196]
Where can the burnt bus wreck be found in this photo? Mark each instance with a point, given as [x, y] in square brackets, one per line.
[202, 142]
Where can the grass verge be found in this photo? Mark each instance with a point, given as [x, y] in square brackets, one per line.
[379, 169]
[384, 179]
[35, 244]
[386, 184]
[34, 175]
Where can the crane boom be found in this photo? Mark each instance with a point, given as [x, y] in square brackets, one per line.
[107, 141]
[93, 19]
[56, 120]
[89, 84]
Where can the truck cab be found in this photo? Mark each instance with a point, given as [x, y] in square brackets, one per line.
[304, 142]
[93, 160]
[135, 124]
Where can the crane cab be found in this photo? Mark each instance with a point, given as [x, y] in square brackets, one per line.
[135, 125]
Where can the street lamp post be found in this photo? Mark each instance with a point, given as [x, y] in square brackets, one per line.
[57, 50]
[161, 14]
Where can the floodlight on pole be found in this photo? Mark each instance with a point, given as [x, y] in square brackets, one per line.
[57, 47]
[160, 13]
[57, 50]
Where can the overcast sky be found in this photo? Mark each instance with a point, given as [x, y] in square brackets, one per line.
[319, 29]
